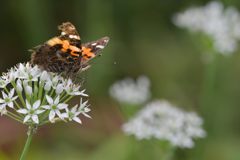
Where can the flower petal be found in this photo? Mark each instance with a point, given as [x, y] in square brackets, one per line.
[48, 86]
[86, 115]
[14, 98]
[28, 90]
[28, 105]
[74, 109]
[44, 76]
[46, 107]
[76, 119]
[56, 101]
[26, 118]
[39, 111]
[49, 99]
[59, 89]
[23, 111]
[10, 104]
[36, 104]
[19, 86]
[82, 105]
[62, 106]
[51, 115]
[3, 111]
[11, 93]
[2, 100]
[59, 114]
[4, 95]
[83, 94]
[35, 119]
[65, 115]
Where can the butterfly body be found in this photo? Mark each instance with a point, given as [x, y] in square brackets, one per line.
[65, 53]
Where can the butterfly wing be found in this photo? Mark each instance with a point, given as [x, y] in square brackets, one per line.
[60, 54]
[92, 49]
[65, 53]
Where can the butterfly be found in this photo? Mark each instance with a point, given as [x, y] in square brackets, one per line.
[66, 53]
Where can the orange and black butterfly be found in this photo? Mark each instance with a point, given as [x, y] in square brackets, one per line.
[65, 53]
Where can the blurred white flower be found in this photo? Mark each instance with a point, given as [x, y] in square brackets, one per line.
[163, 121]
[49, 91]
[221, 25]
[31, 112]
[130, 91]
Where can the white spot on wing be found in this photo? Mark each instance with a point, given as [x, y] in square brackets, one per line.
[100, 46]
[94, 44]
[63, 33]
[74, 37]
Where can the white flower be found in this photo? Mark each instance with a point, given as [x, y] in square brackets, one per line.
[31, 112]
[10, 76]
[54, 81]
[75, 112]
[3, 109]
[47, 86]
[3, 83]
[163, 121]
[28, 72]
[54, 107]
[72, 114]
[131, 92]
[59, 89]
[73, 89]
[222, 25]
[28, 90]
[7, 100]
[19, 87]
[33, 84]
[83, 108]
[45, 76]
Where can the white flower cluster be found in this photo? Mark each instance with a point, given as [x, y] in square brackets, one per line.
[161, 120]
[221, 25]
[131, 92]
[33, 96]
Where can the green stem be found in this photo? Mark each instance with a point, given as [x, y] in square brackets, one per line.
[35, 92]
[170, 153]
[68, 99]
[208, 90]
[13, 116]
[41, 87]
[30, 133]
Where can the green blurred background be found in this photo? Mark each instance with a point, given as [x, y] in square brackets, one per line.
[143, 41]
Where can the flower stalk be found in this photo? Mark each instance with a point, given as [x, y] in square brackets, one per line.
[31, 131]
